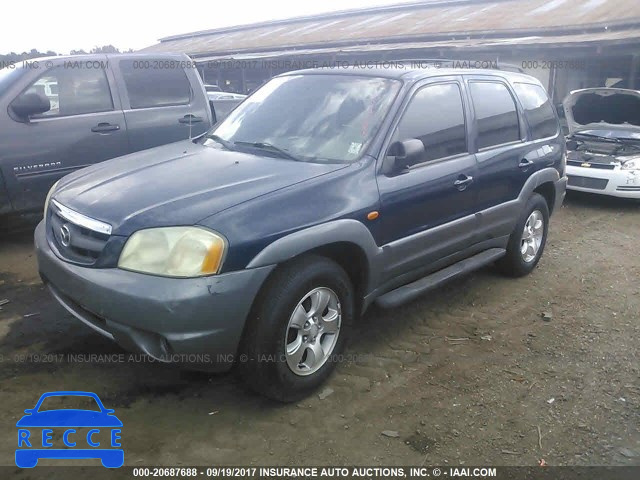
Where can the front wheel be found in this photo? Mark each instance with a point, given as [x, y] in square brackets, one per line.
[298, 328]
[528, 239]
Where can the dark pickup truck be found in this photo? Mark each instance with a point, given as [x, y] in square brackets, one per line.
[60, 114]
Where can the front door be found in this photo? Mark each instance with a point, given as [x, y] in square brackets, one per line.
[427, 210]
[84, 125]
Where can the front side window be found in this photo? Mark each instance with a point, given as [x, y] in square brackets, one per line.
[73, 91]
[435, 116]
[496, 114]
[9, 75]
[315, 117]
[537, 110]
[162, 86]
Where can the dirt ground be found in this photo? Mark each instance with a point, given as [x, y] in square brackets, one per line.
[472, 374]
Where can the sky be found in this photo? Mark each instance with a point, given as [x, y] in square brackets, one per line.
[67, 25]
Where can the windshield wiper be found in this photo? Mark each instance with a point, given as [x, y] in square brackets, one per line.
[599, 137]
[225, 143]
[271, 148]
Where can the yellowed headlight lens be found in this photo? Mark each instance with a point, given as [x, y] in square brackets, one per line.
[174, 252]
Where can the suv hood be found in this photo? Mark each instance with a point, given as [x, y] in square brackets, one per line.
[177, 184]
[613, 109]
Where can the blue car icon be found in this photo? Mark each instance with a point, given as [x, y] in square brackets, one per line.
[36, 434]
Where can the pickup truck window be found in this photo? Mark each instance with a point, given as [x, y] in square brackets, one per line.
[152, 85]
[326, 117]
[9, 75]
[537, 110]
[496, 114]
[73, 91]
[435, 116]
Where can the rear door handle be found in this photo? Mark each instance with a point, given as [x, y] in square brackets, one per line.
[462, 182]
[105, 128]
[525, 163]
[190, 119]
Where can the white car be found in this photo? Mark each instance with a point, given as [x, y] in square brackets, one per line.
[604, 141]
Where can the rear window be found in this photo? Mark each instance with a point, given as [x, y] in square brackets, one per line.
[496, 114]
[148, 85]
[537, 110]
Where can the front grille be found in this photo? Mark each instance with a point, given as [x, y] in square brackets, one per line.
[74, 242]
[602, 166]
[588, 182]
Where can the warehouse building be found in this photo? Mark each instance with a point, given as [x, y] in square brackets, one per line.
[566, 44]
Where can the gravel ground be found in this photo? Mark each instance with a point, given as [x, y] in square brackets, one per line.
[485, 371]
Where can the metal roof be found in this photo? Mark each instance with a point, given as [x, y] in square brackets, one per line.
[437, 23]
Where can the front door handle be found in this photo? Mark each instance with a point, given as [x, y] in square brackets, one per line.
[105, 128]
[525, 163]
[190, 119]
[463, 182]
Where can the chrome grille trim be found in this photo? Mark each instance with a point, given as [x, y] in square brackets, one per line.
[81, 220]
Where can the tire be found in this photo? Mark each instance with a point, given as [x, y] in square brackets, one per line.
[517, 263]
[264, 362]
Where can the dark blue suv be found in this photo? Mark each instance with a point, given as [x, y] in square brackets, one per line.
[259, 243]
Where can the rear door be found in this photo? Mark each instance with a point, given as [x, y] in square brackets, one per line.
[507, 155]
[427, 211]
[163, 101]
[85, 125]
[498, 138]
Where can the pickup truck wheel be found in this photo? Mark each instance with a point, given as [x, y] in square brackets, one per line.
[528, 239]
[298, 328]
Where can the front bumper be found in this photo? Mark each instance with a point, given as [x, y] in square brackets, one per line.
[191, 321]
[616, 183]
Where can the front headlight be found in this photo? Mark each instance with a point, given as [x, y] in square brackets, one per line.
[633, 164]
[46, 202]
[174, 252]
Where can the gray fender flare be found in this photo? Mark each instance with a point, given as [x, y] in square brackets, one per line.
[545, 175]
[292, 245]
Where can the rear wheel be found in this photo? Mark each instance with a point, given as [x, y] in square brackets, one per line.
[528, 239]
[298, 328]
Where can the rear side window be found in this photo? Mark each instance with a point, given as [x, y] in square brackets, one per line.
[435, 116]
[149, 85]
[537, 110]
[73, 91]
[496, 114]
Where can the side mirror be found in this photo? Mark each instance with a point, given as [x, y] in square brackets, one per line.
[30, 104]
[407, 153]
[29, 411]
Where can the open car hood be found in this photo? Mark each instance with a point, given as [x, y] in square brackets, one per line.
[603, 109]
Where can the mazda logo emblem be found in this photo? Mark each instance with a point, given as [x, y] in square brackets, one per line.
[65, 236]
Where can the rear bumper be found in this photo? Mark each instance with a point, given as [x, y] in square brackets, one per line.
[616, 183]
[189, 321]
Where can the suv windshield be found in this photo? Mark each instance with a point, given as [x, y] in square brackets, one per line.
[314, 117]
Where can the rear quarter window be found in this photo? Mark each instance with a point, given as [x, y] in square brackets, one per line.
[537, 110]
[495, 112]
[149, 84]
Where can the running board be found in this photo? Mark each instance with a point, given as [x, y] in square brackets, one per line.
[413, 290]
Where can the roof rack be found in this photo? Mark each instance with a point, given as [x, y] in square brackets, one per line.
[462, 63]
